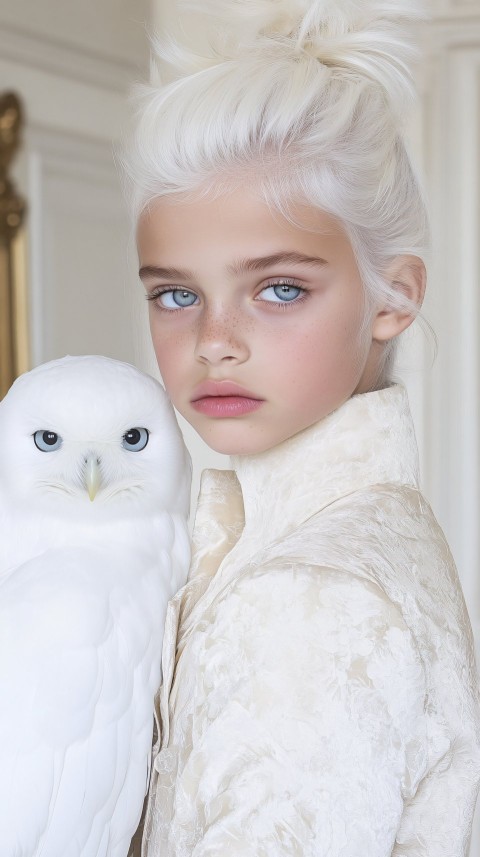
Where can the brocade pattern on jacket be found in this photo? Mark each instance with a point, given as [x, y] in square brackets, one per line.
[320, 692]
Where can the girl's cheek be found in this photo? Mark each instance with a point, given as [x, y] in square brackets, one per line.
[175, 353]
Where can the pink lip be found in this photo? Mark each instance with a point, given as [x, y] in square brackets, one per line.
[221, 388]
[224, 399]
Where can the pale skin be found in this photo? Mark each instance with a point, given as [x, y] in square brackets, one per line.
[284, 330]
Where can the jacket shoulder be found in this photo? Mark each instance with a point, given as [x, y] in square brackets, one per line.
[311, 596]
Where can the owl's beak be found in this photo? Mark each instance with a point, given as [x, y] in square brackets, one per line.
[93, 476]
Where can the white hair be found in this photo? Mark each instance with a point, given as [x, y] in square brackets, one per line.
[306, 98]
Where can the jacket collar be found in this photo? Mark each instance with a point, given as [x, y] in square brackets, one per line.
[369, 440]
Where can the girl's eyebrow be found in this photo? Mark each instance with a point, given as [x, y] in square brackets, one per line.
[289, 257]
[164, 273]
[240, 267]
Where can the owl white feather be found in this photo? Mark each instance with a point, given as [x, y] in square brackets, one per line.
[94, 496]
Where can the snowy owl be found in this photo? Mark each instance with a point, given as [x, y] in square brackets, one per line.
[94, 493]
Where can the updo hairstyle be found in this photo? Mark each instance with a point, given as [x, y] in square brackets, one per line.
[306, 101]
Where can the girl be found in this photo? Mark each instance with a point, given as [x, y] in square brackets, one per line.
[319, 688]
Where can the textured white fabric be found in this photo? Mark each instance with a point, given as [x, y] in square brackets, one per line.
[320, 694]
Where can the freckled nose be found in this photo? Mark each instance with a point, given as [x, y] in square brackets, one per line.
[221, 337]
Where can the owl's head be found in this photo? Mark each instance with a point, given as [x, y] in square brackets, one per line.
[92, 435]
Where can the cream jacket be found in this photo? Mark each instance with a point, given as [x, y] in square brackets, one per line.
[320, 693]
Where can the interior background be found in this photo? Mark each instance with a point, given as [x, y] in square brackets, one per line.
[71, 63]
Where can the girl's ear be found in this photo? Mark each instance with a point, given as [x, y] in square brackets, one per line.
[408, 274]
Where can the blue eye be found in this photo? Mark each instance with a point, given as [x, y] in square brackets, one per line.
[135, 439]
[285, 292]
[176, 298]
[47, 441]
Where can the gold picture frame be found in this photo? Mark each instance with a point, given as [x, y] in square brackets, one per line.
[14, 332]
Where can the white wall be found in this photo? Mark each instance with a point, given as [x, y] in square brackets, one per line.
[452, 426]
[71, 63]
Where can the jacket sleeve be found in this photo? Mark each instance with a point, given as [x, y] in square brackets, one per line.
[314, 730]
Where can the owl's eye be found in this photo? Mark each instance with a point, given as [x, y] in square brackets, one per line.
[47, 441]
[135, 439]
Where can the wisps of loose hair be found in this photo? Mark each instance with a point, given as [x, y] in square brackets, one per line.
[305, 99]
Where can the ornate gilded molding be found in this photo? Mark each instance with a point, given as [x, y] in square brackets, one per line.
[13, 303]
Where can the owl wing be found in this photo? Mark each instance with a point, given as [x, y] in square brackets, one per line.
[80, 639]
[179, 547]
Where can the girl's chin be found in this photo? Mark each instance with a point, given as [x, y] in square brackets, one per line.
[234, 441]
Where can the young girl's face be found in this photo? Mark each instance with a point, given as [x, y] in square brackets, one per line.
[240, 296]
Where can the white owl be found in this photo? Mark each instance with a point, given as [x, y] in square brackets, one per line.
[94, 493]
